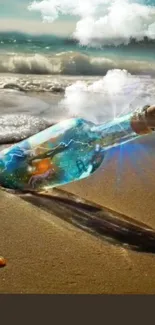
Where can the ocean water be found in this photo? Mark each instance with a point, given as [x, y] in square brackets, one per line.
[25, 54]
[44, 79]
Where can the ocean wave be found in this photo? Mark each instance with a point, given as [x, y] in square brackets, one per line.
[27, 114]
[70, 63]
[13, 37]
[14, 101]
[16, 127]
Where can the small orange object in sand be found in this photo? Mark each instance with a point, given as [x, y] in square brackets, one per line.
[2, 261]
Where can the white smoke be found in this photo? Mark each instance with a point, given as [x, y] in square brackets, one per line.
[106, 22]
[116, 94]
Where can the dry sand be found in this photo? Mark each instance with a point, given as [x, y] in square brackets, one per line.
[47, 255]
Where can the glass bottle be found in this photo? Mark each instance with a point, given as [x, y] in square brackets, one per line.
[68, 151]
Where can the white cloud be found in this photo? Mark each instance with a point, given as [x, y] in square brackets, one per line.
[102, 21]
[51, 9]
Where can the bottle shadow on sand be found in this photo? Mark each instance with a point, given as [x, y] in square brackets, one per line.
[104, 223]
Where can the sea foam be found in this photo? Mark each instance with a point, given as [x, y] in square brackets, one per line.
[71, 63]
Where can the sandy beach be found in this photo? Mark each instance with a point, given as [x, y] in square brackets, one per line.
[48, 255]
[96, 62]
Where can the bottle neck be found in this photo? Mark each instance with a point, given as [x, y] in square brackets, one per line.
[116, 132]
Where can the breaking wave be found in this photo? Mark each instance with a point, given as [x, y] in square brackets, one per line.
[70, 63]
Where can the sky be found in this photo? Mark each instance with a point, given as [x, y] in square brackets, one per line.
[15, 16]
[111, 22]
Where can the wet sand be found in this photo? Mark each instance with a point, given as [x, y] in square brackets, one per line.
[48, 255]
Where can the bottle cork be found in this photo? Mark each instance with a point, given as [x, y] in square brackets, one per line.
[144, 122]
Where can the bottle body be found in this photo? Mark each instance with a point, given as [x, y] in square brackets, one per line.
[63, 153]
[66, 152]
